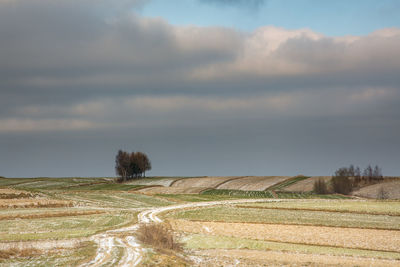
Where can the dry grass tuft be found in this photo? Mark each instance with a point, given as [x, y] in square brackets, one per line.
[159, 236]
[14, 252]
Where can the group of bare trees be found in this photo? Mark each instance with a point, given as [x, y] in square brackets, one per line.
[345, 179]
[131, 165]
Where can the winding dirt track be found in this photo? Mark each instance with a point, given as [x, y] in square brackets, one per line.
[111, 242]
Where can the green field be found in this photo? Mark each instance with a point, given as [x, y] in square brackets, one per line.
[267, 194]
[279, 216]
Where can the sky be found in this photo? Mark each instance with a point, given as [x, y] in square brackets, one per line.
[204, 87]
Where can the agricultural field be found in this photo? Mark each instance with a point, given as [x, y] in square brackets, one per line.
[96, 222]
[253, 183]
[347, 232]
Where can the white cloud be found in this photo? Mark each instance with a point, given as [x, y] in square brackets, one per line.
[30, 125]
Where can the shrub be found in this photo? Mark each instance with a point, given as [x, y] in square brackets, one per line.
[320, 187]
[159, 236]
[342, 184]
[18, 253]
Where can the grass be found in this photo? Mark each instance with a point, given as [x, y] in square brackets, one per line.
[115, 199]
[47, 214]
[194, 197]
[104, 187]
[288, 182]
[49, 184]
[198, 241]
[382, 207]
[237, 193]
[277, 216]
[62, 227]
[56, 257]
[268, 194]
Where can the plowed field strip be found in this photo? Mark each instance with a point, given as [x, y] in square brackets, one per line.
[380, 240]
[298, 224]
[322, 210]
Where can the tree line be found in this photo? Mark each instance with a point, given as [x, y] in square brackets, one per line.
[346, 179]
[131, 165]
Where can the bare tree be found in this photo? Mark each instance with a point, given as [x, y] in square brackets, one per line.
[122, 165]
[377, 173]
[368, 174]
[320, 187]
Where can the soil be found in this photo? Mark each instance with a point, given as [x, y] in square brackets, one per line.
[385, 240]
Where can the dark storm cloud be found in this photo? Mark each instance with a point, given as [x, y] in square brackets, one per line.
[94, 76]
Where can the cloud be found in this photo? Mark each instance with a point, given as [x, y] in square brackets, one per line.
[76, 63]
[43, 125]
[241, 3]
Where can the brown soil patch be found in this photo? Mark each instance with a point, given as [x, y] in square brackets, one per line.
[253, 183]
[373, 239]
[34, 203]
[391, 190]
[306, 185]
[243, 257]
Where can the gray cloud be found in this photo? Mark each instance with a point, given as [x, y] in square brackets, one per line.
[75, 70]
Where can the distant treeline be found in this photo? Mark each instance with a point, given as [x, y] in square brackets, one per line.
[131, 165]
[346, 179]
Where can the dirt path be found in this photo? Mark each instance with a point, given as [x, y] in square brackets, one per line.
[110, 241]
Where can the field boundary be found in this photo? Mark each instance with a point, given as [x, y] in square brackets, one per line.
[229, 180]
[321, 210]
